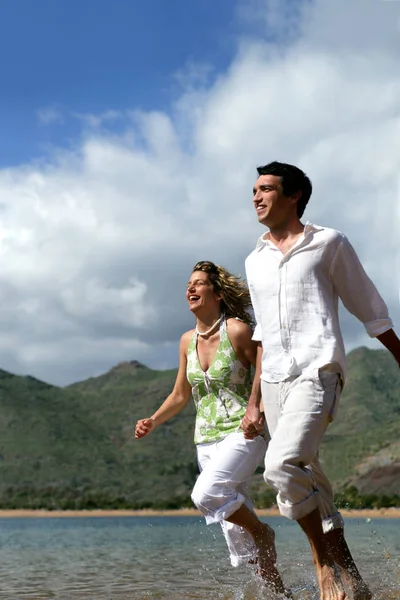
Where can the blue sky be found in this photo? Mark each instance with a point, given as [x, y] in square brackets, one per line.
[129, 136]
[89, 56]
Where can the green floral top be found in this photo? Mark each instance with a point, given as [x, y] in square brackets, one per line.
[221, 393]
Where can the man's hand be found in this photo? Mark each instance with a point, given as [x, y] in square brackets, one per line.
[390, 340]
[144, 427]
[252, 422]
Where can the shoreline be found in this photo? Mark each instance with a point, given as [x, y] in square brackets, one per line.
[378, 513]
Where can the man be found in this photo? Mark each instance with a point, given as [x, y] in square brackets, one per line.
[296, 275]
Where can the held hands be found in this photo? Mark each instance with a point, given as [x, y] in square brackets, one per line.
[252, 422]
[144, 427]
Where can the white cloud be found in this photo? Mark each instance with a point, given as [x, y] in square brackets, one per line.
[96, 301]
[98, 120]
[49, 115]
[97, 244]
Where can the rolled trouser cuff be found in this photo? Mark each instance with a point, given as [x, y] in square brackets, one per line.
[222, 512]
[243, 559]
[240, 542]
[299, 510]
[333, 522]
[304, 508]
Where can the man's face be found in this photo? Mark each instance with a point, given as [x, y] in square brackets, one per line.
[273, 208]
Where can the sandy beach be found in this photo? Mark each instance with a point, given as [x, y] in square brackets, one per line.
[382, 513]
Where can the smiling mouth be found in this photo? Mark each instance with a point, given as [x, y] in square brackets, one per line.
[260, 208]
[194, 298]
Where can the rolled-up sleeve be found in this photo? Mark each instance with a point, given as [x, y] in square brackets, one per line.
[357, 292]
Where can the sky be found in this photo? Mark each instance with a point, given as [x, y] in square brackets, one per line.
[129, 137]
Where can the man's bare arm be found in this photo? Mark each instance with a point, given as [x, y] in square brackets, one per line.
[390, 340]
[253, 420]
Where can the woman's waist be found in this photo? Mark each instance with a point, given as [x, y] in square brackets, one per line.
[218, 428]
[216, 394]
[207, 381]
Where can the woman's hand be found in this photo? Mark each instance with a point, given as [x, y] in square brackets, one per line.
[252, 423]
[144, 427]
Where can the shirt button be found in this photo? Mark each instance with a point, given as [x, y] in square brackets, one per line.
[284, 326]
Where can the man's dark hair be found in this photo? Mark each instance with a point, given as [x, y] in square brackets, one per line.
[292, 179]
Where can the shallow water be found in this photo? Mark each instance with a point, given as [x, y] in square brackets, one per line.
[174, 558]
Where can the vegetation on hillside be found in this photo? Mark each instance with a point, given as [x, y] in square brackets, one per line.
[72, 448]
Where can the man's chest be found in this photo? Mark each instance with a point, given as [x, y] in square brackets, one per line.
[269, 272]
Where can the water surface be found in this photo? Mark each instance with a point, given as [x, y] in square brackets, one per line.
[174, 558]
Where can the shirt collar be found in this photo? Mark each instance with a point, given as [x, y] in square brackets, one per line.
[264, 239]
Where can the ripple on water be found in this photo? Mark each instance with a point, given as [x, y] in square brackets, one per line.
[169, 559]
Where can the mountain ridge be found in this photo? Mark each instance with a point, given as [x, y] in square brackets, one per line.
[73, 446]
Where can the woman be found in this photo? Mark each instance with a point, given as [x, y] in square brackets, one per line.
[214, 368]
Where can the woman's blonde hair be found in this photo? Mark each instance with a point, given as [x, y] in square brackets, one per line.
[233, 289]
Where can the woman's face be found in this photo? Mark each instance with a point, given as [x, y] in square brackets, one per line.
[200, 292]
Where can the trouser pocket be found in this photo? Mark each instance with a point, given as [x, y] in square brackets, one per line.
[331, 386]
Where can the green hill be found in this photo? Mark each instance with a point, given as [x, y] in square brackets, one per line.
[73, 447]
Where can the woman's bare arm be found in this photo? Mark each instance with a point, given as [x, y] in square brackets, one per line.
[249, 352]
[245, 348]
[177, 399]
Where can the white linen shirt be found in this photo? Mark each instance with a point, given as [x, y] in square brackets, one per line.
[295, 301]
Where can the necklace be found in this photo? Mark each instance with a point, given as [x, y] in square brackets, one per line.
[204, 333]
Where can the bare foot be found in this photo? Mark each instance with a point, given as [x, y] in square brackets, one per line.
[266, 559]
[265, 542]
[329, 583]
[361, 591]
[350, 574]
[357, 585]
